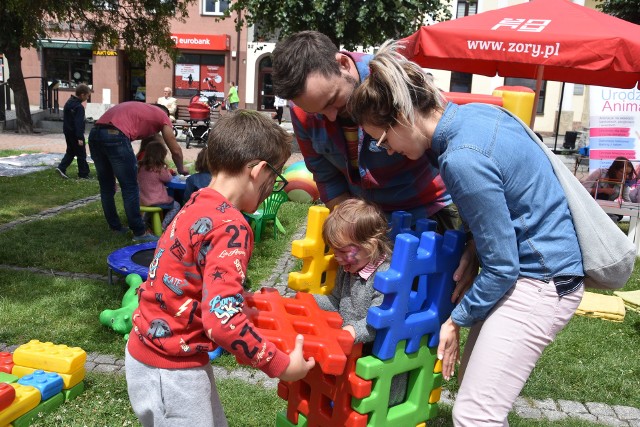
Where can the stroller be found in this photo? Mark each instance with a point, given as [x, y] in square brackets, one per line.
[197, 131]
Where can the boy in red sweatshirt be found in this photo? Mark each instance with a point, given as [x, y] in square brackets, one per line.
[192, 300]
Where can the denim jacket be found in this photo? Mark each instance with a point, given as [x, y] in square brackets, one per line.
[508, 194]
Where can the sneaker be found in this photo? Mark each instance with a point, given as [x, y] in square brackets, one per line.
[121, 230]
[146, 237]
[62, 173]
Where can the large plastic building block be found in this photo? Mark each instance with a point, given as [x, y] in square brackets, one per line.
[319, 267]
[8, 378]
[68, 380]
[120, 319]
[402, 222]
[325, 400]
[282, 421]
[50, 357]
[6, 362]
[280, 319]
[422, 380]
[7, 394]
[417, 288]
[45, 407]
[48, 383]
[73, 392]
[26, 399]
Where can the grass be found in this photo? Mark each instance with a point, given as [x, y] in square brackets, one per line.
[591, 361]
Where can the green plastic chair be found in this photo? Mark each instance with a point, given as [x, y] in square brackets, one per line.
[268, 211]
[156, 218]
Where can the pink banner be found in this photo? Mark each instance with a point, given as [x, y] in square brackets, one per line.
[611, 154]
[594, 132]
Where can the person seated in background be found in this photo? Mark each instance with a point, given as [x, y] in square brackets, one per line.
[169, 102]
[613, 183]
[200, 179]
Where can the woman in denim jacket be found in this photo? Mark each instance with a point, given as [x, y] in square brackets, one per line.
[505, 189]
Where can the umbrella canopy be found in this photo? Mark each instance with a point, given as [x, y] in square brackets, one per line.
[542, 39]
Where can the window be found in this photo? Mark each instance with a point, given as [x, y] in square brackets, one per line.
[68, 66]
[466, 8]
[531, 84]
[213, 7]
[196, 73]
[461, 82]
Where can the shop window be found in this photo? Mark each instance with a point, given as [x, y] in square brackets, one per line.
[531, 84]
[213, 7]
[69, 67]
[195, 73]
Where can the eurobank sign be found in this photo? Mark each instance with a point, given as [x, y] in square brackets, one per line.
[202, 41]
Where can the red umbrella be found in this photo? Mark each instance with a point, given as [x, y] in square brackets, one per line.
[541, 39]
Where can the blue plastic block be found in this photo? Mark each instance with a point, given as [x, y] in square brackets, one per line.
[417, 288]
[402, 222]
[49, 383]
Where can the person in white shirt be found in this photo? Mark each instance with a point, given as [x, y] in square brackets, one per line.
[279, 103]
[170, 102]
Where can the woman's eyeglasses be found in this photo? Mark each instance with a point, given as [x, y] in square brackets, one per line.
[382, 143]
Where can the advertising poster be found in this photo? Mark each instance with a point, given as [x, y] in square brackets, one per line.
[212, 78]
[614, 126]
[187, 76]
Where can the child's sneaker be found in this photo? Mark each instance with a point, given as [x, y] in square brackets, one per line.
[62, 173]
[146, 237]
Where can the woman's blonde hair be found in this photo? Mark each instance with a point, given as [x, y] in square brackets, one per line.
[356, 221]
[396, 87]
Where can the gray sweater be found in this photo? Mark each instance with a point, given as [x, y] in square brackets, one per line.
[351, 297]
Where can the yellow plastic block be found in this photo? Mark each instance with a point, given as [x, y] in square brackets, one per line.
[422, 425]
[68, 380]
[435, 395]
[26, 399]
[50, 357]
[318, 264]
[438, 368]
[517, 101]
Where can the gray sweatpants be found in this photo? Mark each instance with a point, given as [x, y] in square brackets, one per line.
[173, 397]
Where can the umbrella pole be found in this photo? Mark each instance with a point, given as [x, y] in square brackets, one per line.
[555, 144]
[539, 72]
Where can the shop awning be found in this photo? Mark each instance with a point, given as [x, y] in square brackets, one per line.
[64, 44]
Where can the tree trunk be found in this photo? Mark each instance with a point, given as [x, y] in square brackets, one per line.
[24, 123]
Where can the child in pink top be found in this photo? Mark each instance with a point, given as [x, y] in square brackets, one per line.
[153, 174]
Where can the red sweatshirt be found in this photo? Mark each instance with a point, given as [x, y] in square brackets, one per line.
[193, 299]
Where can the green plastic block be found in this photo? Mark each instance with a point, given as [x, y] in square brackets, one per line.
[283, 421]
[45, 407]
[73, 392]
[422, 380]
[8, 378]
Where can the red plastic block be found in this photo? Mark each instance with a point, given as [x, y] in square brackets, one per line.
[325, 400]
[280, 319]
[7, 394]
[6, 362]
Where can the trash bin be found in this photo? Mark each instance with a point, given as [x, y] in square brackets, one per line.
[570, 138]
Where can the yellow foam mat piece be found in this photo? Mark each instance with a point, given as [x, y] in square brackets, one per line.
[50, 357]
[607, 307]
[68, 380]
[26, 399]
[631, 299]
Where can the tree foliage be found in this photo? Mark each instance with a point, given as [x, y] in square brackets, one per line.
[140, 27]
[629, 10]
[347, 22]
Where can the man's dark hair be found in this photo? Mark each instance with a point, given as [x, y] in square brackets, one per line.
[299, 55]
[163, 108]
[82, 89]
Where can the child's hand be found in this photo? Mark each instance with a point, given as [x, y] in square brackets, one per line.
[351, 330]
[298, 367]
[172, 172]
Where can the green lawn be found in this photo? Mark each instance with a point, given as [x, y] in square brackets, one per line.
[592, 360]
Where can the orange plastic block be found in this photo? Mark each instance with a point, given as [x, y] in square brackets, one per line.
[68, 380]
[325, 400]
[319, 267]
[7, 394]
[50, 357]
[6, 362]
[280, 319]
[26, 399]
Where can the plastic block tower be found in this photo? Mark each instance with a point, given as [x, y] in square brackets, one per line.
[43, 376]
[417, 290]
[318, 266]
[280, 319]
